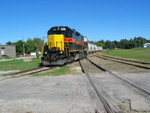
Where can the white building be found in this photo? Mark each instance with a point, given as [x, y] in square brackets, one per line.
[146, 45]
[7, 51]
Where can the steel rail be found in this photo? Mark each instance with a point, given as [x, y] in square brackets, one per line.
[27, 72]
[142, 90]
[140, 66]
[109, 106]
[125, 59]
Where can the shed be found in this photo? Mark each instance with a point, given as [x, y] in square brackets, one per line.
[7, 51]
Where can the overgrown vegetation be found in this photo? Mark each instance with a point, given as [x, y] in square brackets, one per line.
[19, 65]
[135, 53]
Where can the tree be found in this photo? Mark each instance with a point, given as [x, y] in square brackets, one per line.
[116, 44]
[31, 46]
[101, 43]
[112, 45]
[19, 47]
[9, 43]
[108, 44]
[123, 43]
[39, 42]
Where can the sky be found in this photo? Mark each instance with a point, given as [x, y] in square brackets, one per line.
[96, 19]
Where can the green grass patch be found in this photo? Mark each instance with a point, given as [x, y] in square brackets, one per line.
[62, 70]
[58, 71]
[19, 65]
[5, 58]
[142, 54]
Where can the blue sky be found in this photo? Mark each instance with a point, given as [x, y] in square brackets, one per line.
[96, 19]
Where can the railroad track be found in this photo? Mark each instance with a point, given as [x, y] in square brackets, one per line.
[108, 103]
[143, 91]
[28, 72]
[32, 71]
[140, 62]
[124, 61]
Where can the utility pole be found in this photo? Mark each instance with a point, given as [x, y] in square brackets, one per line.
[23, 46]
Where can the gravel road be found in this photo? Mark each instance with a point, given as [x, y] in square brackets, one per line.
[48, 94]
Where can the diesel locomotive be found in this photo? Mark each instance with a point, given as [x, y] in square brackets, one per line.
[64, 45]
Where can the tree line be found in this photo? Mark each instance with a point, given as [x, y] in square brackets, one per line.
[36, 44]
[123, 43]
[31, 45]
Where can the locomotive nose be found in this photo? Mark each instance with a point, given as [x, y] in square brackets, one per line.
[56, 41]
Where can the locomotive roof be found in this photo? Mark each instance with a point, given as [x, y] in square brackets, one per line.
[64, 27]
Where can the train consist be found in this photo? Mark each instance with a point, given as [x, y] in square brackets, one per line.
[65, 45]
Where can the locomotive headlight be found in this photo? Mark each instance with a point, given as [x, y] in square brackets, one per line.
[45, 52]
[61, 52]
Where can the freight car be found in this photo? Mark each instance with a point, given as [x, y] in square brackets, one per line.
[99, 49]
[91, 48]
[64, 45]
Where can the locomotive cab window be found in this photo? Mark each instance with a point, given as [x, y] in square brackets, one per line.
[77, 34]
[69, 33]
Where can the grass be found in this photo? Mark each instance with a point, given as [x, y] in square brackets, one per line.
[142, 54]
[19, 65]
[22, 66]
[5, 58]
[59, 71]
